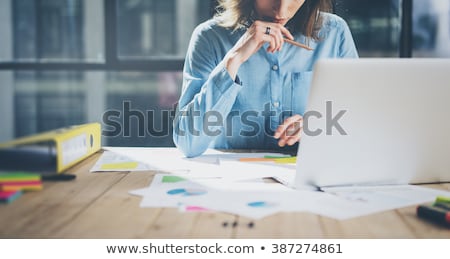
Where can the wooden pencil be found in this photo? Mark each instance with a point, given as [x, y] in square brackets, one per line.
[297, 44]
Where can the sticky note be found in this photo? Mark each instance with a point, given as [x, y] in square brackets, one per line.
[24, 186]
[278, 160]
[286, 160]
[18, 176]
[273, 157]
[9, 196]
[193, 209]
[120, 166]
[172, 179]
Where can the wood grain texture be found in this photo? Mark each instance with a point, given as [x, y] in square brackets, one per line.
[97, 205]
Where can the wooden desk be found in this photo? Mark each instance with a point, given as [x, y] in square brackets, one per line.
[99, 206]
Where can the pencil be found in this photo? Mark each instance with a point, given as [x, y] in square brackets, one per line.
[297, 44]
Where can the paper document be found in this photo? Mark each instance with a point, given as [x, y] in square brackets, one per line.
[256, 199]
[382, 198]
[112, 162]
[262, 199]
[212, 163]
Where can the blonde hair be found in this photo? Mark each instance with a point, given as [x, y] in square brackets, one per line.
[235, 14]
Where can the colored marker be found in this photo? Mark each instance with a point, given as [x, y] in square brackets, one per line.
[442, 199]
[434, 214]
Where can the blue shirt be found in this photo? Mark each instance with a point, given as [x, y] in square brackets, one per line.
[215, 111]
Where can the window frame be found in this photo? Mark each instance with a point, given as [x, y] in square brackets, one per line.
[157, 64]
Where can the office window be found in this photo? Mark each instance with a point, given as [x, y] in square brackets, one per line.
[47, 100]
[431, 28]
[375, 25]
[59, 69]
[146, 28]
[52, 30]
[142, 103]
[155, 28]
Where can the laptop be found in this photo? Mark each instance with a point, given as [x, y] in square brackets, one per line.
[376, 121]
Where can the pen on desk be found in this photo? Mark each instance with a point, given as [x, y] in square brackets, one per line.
[58, 177]
[297, 44]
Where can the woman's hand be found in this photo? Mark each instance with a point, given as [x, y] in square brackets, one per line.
[253, 39]
[289, 132]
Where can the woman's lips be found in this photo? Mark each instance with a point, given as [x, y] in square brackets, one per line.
[280, 21]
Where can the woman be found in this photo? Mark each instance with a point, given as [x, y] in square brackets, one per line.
[244, 87]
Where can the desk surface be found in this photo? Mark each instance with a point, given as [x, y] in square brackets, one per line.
[99, 206]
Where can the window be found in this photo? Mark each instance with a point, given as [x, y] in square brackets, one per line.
[153, 30]
[375, 25]
[431, 28]
[53, 30]
[66, 62]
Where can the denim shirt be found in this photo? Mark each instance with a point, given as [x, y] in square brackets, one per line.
[215, 111]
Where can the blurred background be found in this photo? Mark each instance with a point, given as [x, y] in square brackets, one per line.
[119, 62]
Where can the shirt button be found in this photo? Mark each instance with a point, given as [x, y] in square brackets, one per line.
[276, 104]
[275, 67]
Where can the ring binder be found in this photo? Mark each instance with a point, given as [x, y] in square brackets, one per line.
[52, 151]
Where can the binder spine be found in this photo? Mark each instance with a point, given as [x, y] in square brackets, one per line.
[77, 144]
[74, 149]
[73, 144]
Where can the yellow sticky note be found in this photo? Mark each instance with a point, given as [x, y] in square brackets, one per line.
[286, 160]
[120, 166]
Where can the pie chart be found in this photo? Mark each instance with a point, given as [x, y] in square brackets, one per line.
[261, 204]
[186, 192]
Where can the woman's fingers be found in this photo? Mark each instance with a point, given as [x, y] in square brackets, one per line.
[257, 35]
[289, 131]
[273, 33]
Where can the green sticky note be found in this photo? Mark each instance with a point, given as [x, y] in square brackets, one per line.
[274, 157]
[172, 179]
[19, 176]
